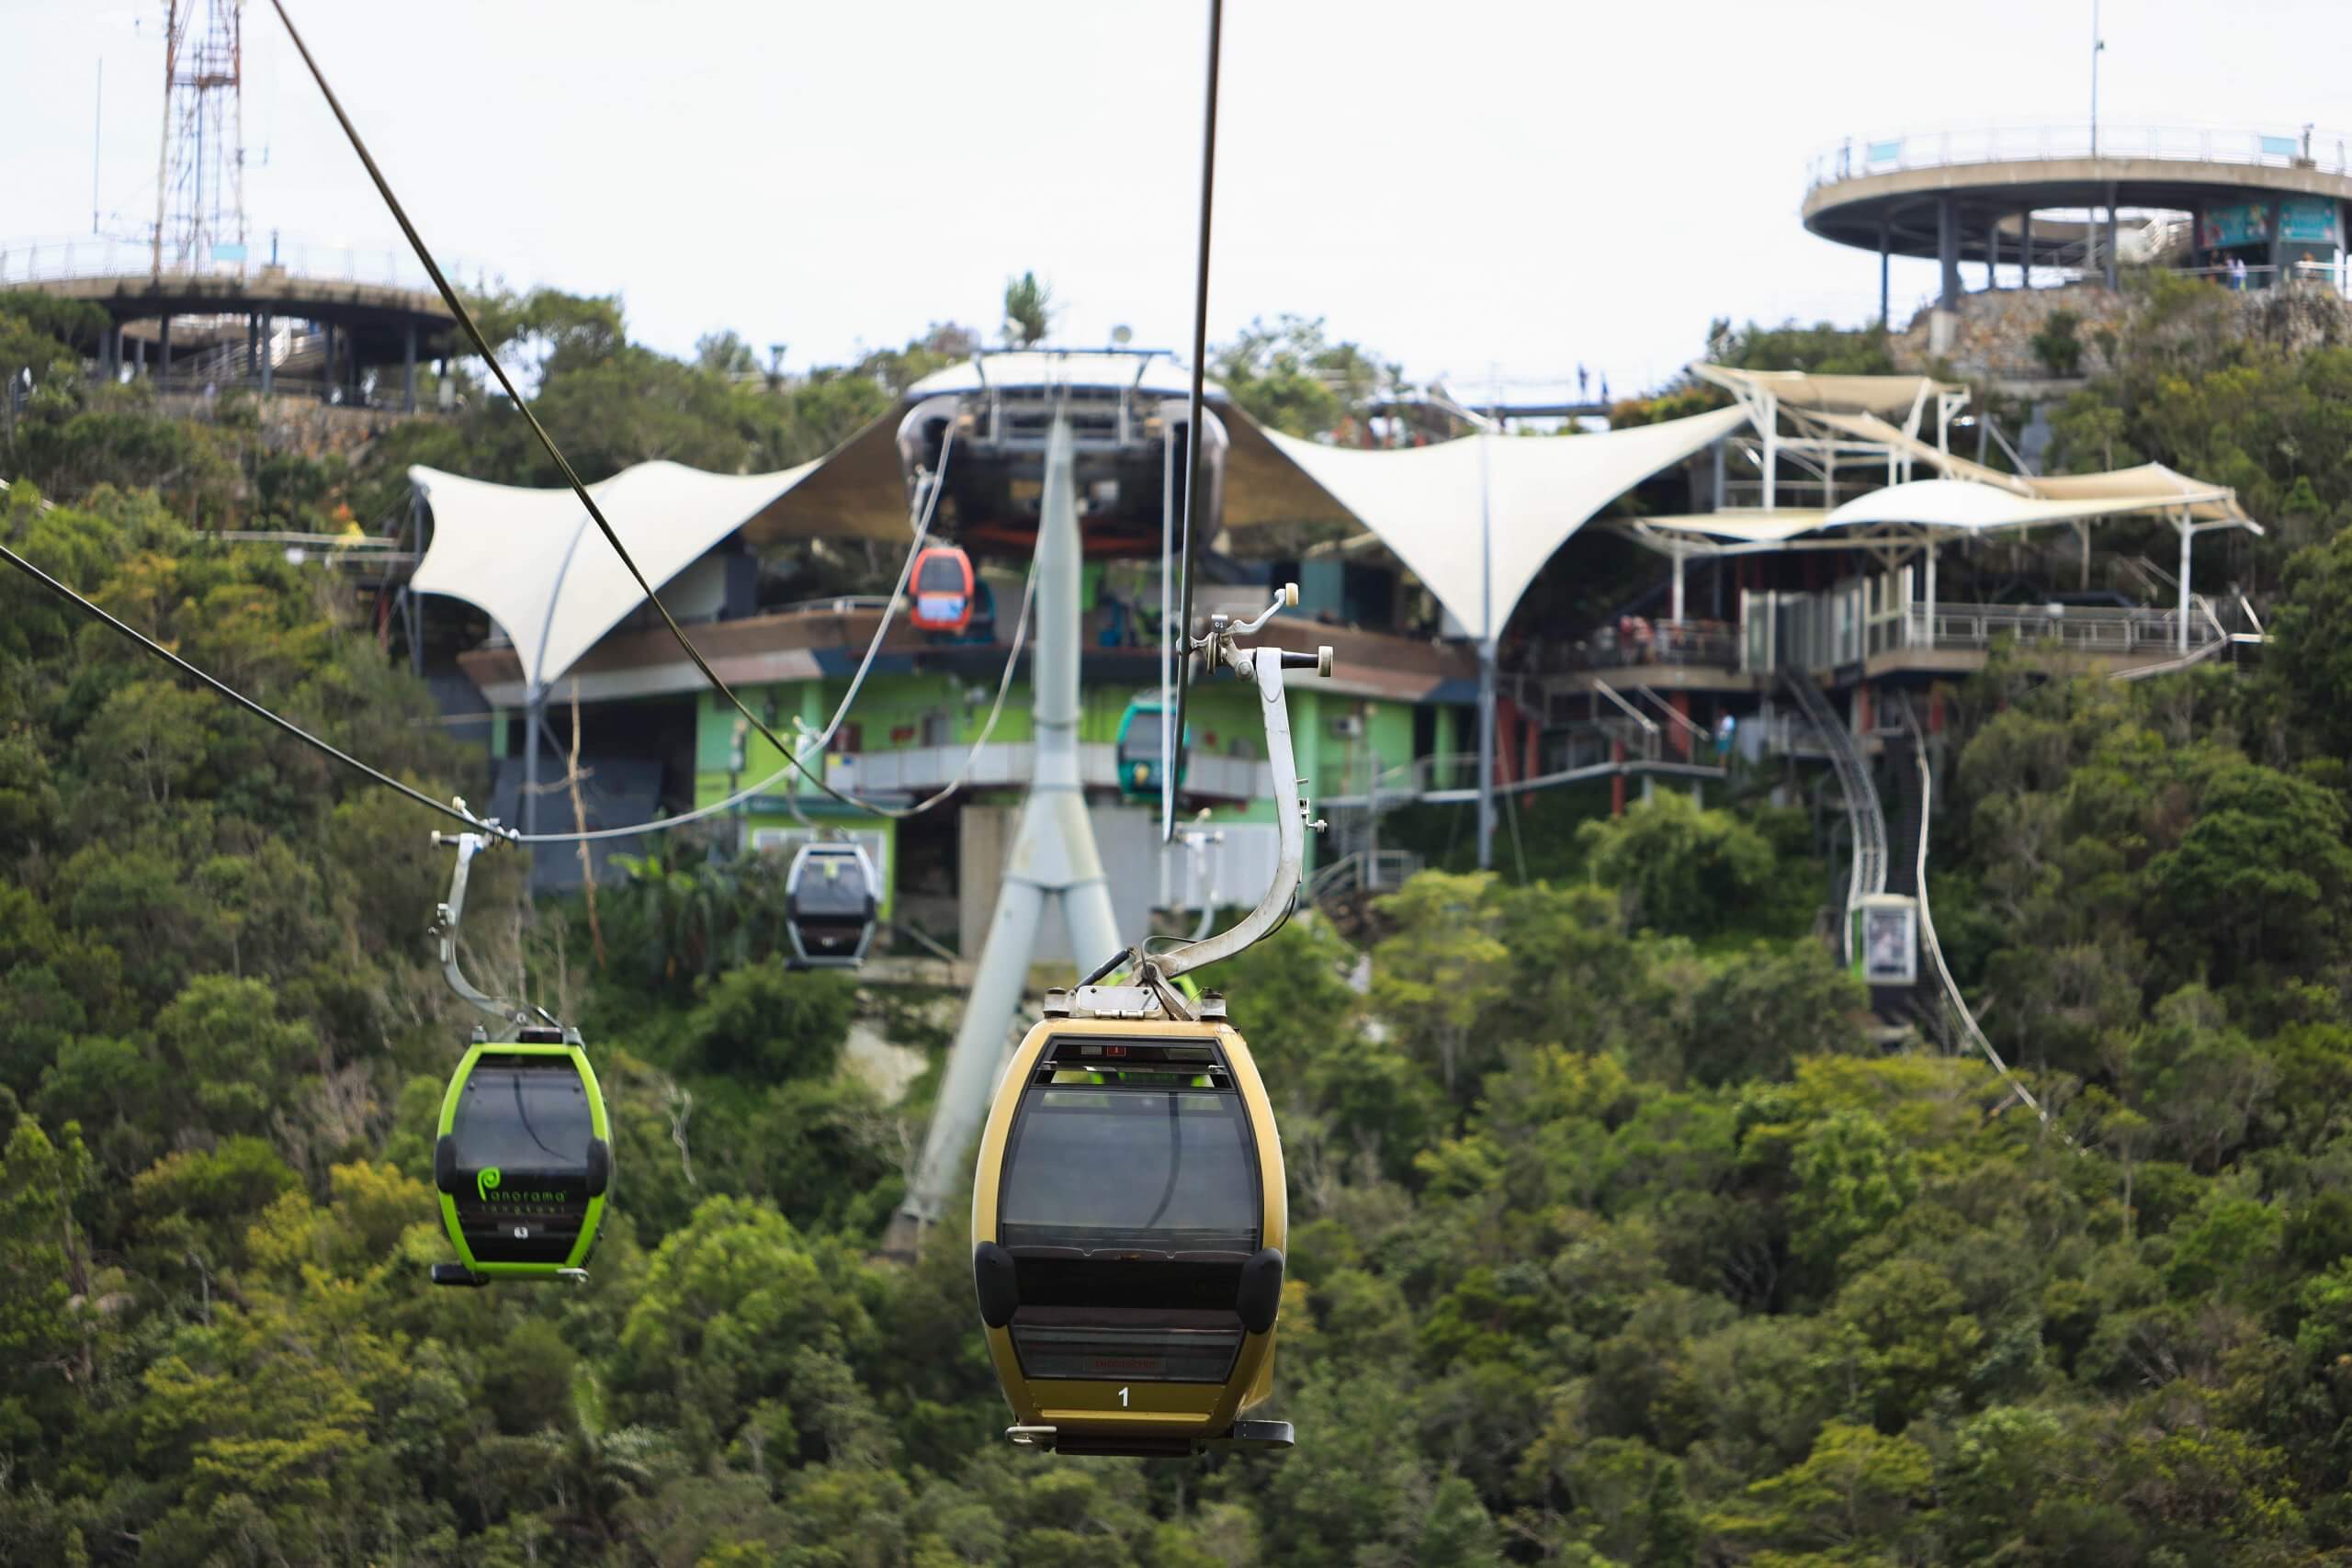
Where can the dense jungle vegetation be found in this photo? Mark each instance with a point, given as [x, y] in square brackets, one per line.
[1615, 1241]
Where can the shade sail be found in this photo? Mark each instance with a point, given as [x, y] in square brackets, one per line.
[1157, 374]
[1870, 427]
[535, 561]
[2152, 485]
[1734, 526]
[1959, 506]
[1890, 396]
[1427, 502]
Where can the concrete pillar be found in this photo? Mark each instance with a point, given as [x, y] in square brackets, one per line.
[269, 343]
[2278, 242]
[326, 375]
[2108, 245]
[2187, 532]
[1884, 324]
[253, 340]
[1992, 253]
[2025, 249]
[140, 350]
[408, 368]
[164, 356]
[1948, 247]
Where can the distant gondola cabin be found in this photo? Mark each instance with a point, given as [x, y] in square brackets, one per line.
[943, 589]
[832, 900]
[1139, 750]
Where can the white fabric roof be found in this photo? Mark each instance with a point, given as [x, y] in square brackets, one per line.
[1958, 505]
[1735, 524]
[1154, 373]
[2153, 484]
[1425, 502]
[535, 561]
[1870, 427]
[1890, 395]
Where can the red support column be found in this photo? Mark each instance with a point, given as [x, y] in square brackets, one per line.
[1681, 702]
[1862, 709]
[1936, 711]
[1617, 779]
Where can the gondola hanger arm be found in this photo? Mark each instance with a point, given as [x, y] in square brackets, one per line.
[446, 918]
[1264, 666]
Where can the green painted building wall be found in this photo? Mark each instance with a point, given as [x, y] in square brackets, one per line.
[896, 712]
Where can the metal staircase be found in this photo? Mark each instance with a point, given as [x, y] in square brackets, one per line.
[1866, 817]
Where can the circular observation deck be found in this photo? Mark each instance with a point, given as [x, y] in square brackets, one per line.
[1982, 195]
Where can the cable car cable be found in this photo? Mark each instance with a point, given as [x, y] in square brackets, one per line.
[523, 1114]
[1172, 738]
[377, 776]
[874, 646]
[1175, 1164]
[473, 334]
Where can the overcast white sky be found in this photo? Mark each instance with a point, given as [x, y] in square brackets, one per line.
[1456, 183]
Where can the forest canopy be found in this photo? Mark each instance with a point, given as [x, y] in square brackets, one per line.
[1617, 1236]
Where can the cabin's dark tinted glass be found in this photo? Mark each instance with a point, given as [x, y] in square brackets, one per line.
[1158, 1351]
[1104, 1168]
[830, 888]
[1139, 742]
[940, 574]
[522, 1119]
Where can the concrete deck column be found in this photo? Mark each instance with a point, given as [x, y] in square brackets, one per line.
[164, 356]
[408, 368]
[1992, 253]
[2025, 249]
[1948, 247]
[1884, 324]
[2109, 242]
[326, 374]
[268, 341]
[2188, 531]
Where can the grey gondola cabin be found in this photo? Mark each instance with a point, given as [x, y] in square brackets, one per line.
[832, 899]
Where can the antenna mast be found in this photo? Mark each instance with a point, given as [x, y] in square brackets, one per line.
[200, 173]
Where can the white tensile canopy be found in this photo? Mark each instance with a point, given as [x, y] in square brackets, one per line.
[1430, 506]
[536, 562]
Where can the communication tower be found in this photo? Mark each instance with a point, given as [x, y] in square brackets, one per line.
[200, 175]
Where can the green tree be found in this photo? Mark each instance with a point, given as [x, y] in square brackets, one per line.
[1028, 310]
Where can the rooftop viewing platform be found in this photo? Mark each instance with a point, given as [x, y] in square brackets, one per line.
[340, 323]
[2249, 204]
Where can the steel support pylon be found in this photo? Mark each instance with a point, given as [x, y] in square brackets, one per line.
[1053, 857]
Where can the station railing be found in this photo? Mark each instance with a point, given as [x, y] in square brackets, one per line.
[1711, 644]
[48, 259]
[1858, 157]
[2070, 628]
